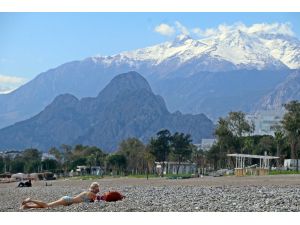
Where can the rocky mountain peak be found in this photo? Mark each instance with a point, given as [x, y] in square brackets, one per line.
[181, 39]
[130, 109]
[126, 82]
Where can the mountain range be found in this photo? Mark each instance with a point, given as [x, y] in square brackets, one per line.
[233, 70]
[125, 108]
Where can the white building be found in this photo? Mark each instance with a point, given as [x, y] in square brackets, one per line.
[94, 170]
[291, 164]
[171, 168]
[11, 154]
[264, 121]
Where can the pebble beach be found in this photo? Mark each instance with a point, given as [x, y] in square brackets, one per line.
[277, 193]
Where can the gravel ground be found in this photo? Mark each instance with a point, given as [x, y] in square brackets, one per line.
[209, 194]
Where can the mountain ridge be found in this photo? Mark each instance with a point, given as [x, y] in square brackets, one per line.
[135, 111]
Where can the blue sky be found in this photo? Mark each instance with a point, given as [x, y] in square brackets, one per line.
[31, 43]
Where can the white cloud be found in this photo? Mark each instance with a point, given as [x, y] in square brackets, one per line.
[274, 28]
[182, 29]
[10, 83]
[167, 30]
[262, 28]
[11, 79]
[204, 33]
[164, 29]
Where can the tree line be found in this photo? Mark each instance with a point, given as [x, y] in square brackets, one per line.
[132, 156]
[234, 134]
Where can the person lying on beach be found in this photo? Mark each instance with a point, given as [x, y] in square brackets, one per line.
[26, 184]
[86, 196]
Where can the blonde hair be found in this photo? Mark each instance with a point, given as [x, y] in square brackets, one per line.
[94, 185]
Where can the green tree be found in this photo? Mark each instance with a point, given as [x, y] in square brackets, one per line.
[117, 162]
[248, 145]
[199, 157]
[58, 156]
[181, 148]
[214, 157]
[33, 159]
[266, 143]
[150, 160]
[160, 147]
[17, 165]
[279, 140]
[50, 165]
[97, 153]
[230, 132]
[79, 150]
[1, 164]
[78, 161]
[133, 149]
[7, 160]
[291, 125]
[32, 154]
[67, 157]
[238, 125]
[91, 160]
[87, 155]
[78, 157]
[33, 166]
[227, 143]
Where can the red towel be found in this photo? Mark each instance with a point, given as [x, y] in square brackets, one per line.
[112, 196]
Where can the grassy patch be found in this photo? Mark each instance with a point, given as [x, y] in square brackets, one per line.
[85, 177]
[142, 176]
[94, 177]
[274, 172]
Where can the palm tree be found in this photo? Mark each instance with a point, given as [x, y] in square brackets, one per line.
[279, 139]
[160, 147]
[291, 124]
[181, 147]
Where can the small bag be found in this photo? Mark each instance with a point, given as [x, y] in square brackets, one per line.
[112, 196]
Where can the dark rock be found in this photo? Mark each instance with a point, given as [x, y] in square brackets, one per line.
[125, 108]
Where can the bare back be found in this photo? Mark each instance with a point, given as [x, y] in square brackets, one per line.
[85, 196]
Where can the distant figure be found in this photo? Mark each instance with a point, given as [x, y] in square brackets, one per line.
[21, 184]
[26, 184]
[86, 196]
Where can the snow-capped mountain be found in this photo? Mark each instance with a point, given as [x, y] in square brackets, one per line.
[240, 49]
[227, 71]
[245, 51]
[284, 48]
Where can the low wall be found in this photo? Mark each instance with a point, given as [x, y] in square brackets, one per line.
[250, 171]
[263, 172]
[240, 172]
